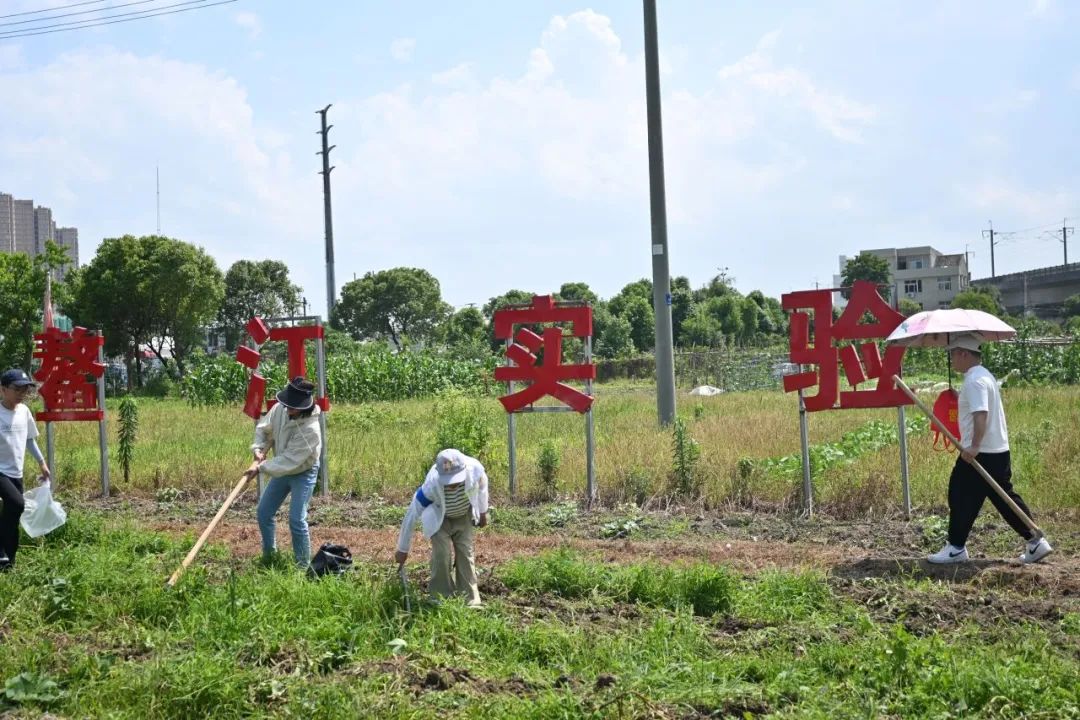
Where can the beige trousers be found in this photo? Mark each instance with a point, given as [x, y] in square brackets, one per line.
[458, 534]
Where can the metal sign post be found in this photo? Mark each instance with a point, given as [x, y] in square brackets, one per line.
[537, 361]
[102, 434]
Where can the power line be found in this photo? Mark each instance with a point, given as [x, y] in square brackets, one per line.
[155, 13]
[61, 7]
[104, 17]
[73, 14]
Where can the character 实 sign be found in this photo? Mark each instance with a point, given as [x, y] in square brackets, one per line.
[860, 361]
[545, 374]
[294, 337]
[68, 374]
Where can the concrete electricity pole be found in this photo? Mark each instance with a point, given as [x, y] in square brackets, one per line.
[1065, 233]
[328, 221]
[990, 234]
[665, 357]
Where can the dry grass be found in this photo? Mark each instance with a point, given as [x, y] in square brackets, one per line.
[384, 448]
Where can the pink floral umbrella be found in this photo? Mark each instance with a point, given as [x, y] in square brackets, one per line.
[936, 328]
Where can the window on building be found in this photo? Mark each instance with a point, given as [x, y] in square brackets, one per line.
[942, 305]
[901, 264]
[916, 264]
[944, 283]
[912, 286]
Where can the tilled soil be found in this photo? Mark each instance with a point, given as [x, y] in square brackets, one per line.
[870, 561]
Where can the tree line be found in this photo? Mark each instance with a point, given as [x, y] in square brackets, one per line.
[167, 295]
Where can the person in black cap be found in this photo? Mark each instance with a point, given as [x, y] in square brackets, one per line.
[292, 429]
[17, 435]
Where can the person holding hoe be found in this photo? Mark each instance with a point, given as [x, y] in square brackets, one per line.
[292, 429]
[17, 435]
[451, 501]
[984, 438]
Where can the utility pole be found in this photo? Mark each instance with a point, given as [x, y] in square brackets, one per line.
[157, 180]
[1065, 233]
[990, 233]
[328, 221]
[665, 355]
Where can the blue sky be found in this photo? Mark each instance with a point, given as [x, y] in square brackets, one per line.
[502, 144]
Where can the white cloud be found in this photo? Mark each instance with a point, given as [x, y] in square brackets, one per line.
[439, 173]
[250, 22]
[1041, 8]
[841, 116]
[401, 49]
[459, 76]
[106, 118]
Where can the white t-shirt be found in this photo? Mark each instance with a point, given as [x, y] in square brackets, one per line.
[980, 393]
[16, 427]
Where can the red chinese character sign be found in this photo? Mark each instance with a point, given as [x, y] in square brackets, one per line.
[860, 363]
[294, 337]
[545, 377]
[68, 374]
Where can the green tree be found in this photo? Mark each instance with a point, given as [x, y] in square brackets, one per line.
[22, 292]
[577, 291]
[612, 334]
[466, 333]
[702, 329]
[977, 298]
[639, 289]
[682, 304]
[639, 313]
[170, 290]
[866, 266]
[255, 288]
[720, 285]
[398, 304]
[1071, 306]
[909, 307]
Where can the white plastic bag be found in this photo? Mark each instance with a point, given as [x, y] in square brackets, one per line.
[42, 514]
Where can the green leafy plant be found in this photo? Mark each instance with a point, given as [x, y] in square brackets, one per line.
[685, 455]
[127, 434]
[29, 687]
[547, 466]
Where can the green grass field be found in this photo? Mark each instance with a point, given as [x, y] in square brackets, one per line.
[727, 604]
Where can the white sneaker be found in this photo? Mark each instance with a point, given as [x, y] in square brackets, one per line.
[1036, 551]
[948, 554]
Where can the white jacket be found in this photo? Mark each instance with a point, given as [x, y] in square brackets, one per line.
[297, 442]
[429, 503]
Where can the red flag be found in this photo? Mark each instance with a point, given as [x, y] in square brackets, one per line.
[48, 318]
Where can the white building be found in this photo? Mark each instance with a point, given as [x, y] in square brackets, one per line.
[920, 274]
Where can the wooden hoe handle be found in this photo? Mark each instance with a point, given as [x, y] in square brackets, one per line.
[209, 529]
[974, 463]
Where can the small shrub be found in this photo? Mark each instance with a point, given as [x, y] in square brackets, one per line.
[685, 455]
[462, 423]
[547, 467]
[561, 515]
[127, 434]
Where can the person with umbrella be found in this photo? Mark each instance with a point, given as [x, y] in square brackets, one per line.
[984, 438]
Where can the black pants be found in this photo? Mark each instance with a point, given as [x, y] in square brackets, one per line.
[11, 493]
[967, 490]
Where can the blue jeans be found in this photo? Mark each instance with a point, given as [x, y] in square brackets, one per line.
[300, 486]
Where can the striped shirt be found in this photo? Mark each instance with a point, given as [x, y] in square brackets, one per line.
[457, 502]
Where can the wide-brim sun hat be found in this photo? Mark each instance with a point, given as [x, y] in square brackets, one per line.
[295, 397]
[450, 464]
